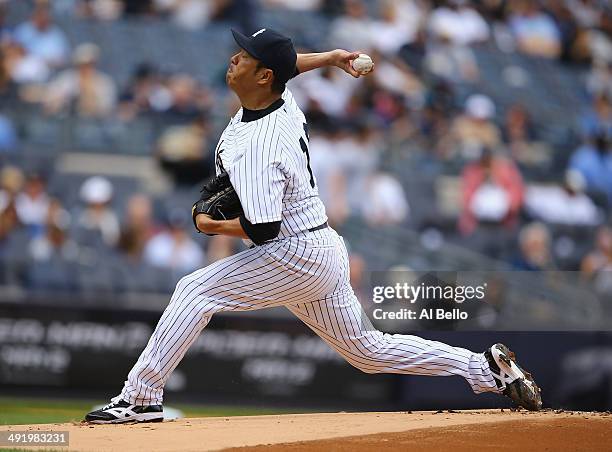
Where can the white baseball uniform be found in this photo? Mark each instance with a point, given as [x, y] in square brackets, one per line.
[305, 268]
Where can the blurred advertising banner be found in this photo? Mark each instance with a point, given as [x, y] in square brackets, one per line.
[404, 300]
[237, 355]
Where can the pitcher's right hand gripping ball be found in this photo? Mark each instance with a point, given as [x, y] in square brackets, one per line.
[219, 200]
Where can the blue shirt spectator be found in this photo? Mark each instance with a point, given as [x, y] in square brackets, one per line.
[594, 162]
[8, 136]
[597, 119]
[536, 33]
[42, 38]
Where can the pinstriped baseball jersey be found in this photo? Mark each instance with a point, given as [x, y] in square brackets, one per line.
[265, 153]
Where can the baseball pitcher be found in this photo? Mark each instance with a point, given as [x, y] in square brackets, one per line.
[266, 193]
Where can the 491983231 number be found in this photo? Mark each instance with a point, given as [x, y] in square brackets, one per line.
[34, 438]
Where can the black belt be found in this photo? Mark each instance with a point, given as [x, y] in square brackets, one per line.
[317, 228]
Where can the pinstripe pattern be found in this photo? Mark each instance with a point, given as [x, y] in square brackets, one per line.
[270, 170]
[267, 160]
[307, 273]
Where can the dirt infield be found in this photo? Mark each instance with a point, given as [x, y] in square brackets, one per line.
[426, 431]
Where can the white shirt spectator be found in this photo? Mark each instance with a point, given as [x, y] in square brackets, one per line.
[386, 200]
[165, 251]
[97, 98]
[411, 13]
[490, 203]
[297, 5]
[453, 63]
[392, 31]
[357, 159]
[400, 80]
[556, 205]
[30, 69]
[332, 92]
[352, 30]
[32, 211]
[462, 25]
[324, 163]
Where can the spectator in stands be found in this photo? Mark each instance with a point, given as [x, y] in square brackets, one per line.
[413, 53]
[173, 248]
[188, 14]
[451, 62]
[104, 10]
[42, 38]
[327, 166]
[396, 77]
[534, 247]
[23, 67]
[459, 22]
[598, 118]
[353, 29]
[97, 225]
[328, 88]
[473, 130]
[563, 204]
[596, 267]
[188, 102]
[297, 5]
[587, 13]
[138, 7]
[390, 32]
[82, 89]
[144, 94]
[357, 156]
[492, 190]
[385, 201]
[33, 203]
[195, 14]
[9, 221]
[184, 151]
[11, 182]
[520, 135]
[8, 135]
[138, 226]
[55, 241]
[575, 39]
[536, 33]
[593, 160]
[599, 81]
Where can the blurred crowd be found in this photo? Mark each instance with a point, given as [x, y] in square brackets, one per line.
[511, 189]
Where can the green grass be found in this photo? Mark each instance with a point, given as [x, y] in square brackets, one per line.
[15, 411]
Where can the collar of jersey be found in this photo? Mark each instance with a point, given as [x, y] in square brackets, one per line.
[254, 115]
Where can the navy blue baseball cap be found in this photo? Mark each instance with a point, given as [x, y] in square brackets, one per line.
[273, 49]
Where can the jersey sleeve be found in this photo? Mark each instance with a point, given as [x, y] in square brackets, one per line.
[259, 182]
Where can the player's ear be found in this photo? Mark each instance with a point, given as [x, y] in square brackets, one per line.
[266, 76]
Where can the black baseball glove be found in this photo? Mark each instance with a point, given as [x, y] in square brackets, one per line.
[219, 200]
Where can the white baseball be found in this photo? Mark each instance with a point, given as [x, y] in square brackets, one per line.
[363, 64]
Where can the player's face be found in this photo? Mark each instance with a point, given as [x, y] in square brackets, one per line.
[241, 73]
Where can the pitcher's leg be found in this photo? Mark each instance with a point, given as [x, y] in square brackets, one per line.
[341, 322]
[196, 298]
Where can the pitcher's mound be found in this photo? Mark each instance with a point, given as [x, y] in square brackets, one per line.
[457, 431]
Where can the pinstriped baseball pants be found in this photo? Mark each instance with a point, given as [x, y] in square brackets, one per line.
[309, 275]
